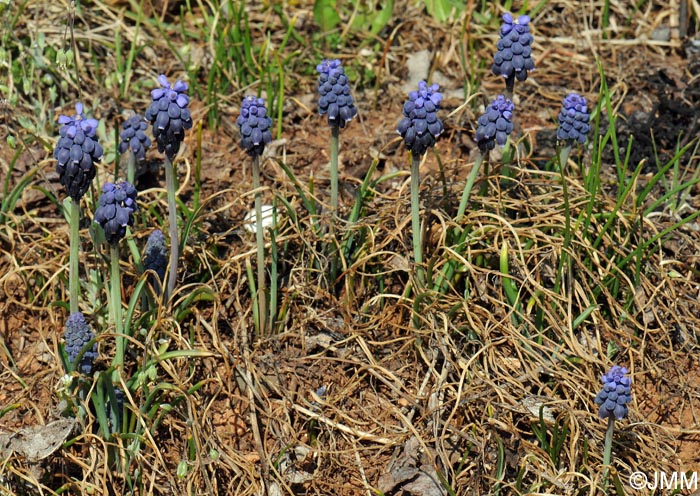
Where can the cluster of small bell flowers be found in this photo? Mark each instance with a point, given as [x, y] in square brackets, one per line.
[615, 395]
[513, 57]
[76, 152]
[495, 125]
[116, 210]
[420, 126]
[77, 335]
[133, 136]
[170, 115]
[334, 94]
[574, 119]
[155, 255]
[255, 125]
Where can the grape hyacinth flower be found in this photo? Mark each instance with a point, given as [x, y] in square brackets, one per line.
[334, 94]
[170, 115]
[133, 137]
[255, 125]
[574, 119]
[615, 395]
[77, 335]
[155, 254]
[76, 152]
[336, 101]
[255, 134]
[495, 124]
[115, 213]
[613, 399]
[419, 128]
[513, 58]
[493, 128]
[116, 210]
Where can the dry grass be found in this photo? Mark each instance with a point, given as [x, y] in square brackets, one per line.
[455, 384]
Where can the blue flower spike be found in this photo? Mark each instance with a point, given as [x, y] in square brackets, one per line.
[77, 335]
[420, 126]
[334, 94]
[495, 125]
[615, 395]
[76, 152]
[255, 125]
[116, 210]
[170, 115]
[513, 58]
[155, 255]
[133, 136]
[574, 119]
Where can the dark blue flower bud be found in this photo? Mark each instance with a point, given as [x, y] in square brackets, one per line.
[495, 125]
[77, 335]
[255, 125]
[170, 115]
[420, 125]
[116, 210]
[155, 255]
[514, 55]
[133, 136]
[615, 395]
[573, 119]
[76, 152]
[334, 94]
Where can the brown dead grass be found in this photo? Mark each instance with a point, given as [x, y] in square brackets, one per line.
[465, 382]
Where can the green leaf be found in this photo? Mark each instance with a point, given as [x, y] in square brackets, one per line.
[441, 10]
[326, 14]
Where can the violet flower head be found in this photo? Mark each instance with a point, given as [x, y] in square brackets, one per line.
[255, 125]
[170, 115]
[334, 94]
[615, 395]
[77, 335]
[514, 55]
[420, 126]
[495, 124]
[133, 136]
[155, 255]
[76, 152]
[116, 210]
[574, 119]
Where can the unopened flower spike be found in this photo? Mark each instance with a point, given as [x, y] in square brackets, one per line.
[170, 115]
[155, 255]
[255, 125]
[77, 335]
[420, 126]
[574, 119]
[334, 94]
[133, 137]
[116, 210]
[495, 125]
[76, 152]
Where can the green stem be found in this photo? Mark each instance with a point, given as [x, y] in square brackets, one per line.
[260, 244]
[468, 186]
[172, 227]
[415, 217]
[131, 168]
[73, 267]
[607, 450]
[563, 158]
[510, 86]
[116, 305]
[334, 169]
